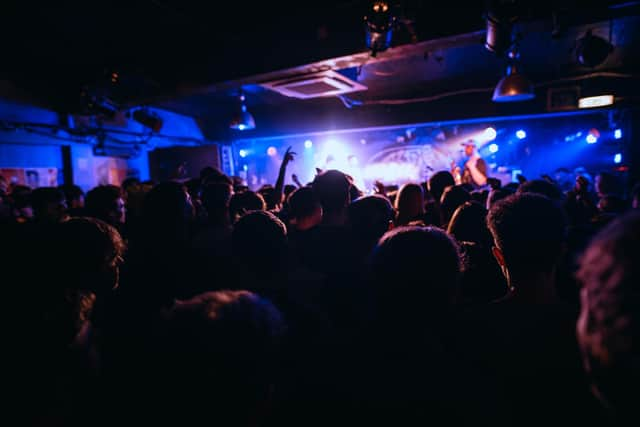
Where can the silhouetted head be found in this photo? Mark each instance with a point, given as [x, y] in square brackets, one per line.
[450, 200]
[609, 323]
[370, 217]
[244, 202]
[74, 196]
[88, 254]
[528, 232]
[219, 355]
[332, 189]
[210, 175]
[49, 204]
[106, 203]
[606, 184]
[468, 224]
[168, 210]
[409, 204]
[416, 270]
[216, 199]
[542, 187]
[260, 244]
[305, 210]
[438, 182]
[497, 194]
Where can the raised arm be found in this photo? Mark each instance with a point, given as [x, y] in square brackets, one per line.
[288, 156]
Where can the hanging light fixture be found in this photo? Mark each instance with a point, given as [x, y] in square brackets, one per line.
[514, 86]
[242, 118]
[379, 24]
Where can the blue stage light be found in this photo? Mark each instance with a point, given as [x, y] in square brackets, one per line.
[308, 143]
[493, 148]
[521, 134]
[243, 153]
[591, 139]
[617, 158]
[617, 134]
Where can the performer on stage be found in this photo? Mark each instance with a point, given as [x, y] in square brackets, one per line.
[472, 169]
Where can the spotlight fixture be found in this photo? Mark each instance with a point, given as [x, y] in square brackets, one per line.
[242, 119]
[271, 151]
[513, 87]
[308, 143]
[591, 50]
[148, 119]
[617, 159]
[501, 16]
[379, 24]
[617, 134]
[243, 153]
[521, 134]
[493, 148]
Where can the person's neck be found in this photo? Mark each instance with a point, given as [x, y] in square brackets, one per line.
[534, 288]
[303, 224]
[335, 218]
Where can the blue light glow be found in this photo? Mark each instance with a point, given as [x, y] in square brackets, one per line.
[521, 134]
[245, 168]
[271, 151]
[308, 143]
[241, 127]
[243, 153]
[591, 139]
[617, 159]
[493, 148]
[617, 134]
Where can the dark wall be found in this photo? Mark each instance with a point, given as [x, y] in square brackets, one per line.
[182, 162]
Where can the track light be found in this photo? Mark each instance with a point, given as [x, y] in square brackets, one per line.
[242, 118]
[148, 119]
[379, 27]
[591, 50]
[500, 18]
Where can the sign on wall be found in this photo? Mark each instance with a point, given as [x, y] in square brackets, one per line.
[32, 177]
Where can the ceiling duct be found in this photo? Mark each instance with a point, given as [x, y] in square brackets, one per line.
[315, 85]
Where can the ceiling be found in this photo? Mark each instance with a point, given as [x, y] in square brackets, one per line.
[191, 56]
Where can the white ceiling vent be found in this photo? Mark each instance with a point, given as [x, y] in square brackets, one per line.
[325, 83]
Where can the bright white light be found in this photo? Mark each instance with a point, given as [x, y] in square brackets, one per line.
[617, 158]
[271, 151]
[353, 161]
[245, 168]
[308, 143]
[617, 134]
[595, 101]
[521, 134]
[490, 134]
[493, 148]
[591, 139]
[243, 153]
[241, 127]
[392, 172]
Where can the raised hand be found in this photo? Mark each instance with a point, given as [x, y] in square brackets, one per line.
[288, 156]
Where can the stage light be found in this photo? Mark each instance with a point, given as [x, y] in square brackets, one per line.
[245, 168]
[513, 87]
[591, 50]
[617, 134]
[493, 148]
[271, 151]
[591, 139]
[379, 27]
[243, 153]
[521, 134]
[489, 134]
[617, 159]
[242, 118]
[308, 143]
[595, 101]
[353, 161]
[148, 119]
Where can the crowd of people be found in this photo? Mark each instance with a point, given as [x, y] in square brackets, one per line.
[204, 302]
